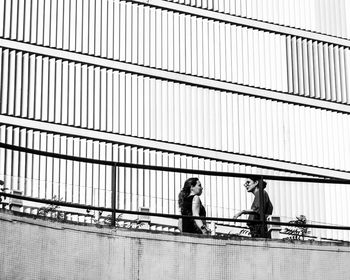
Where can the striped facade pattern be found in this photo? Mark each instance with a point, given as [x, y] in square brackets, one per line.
[321, 16]
[51, 89]
[182, 43]
[68, 93]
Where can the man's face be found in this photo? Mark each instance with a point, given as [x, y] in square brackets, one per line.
[250, 185]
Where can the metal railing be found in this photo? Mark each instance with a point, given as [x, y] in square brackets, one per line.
[113, 210]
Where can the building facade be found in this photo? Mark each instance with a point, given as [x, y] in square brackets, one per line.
[244, 86]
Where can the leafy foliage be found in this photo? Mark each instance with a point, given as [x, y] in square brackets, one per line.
[299, 232]
[52, 210]
[245, 232]
[119, 223]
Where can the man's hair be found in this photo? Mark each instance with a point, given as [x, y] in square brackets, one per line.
[257, 178]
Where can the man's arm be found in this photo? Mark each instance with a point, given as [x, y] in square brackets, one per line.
[244, 212]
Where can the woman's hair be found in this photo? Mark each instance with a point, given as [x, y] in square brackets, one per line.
[256, 178]
[186, 190]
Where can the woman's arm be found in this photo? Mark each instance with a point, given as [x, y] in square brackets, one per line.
[180, 224]
[196, 202]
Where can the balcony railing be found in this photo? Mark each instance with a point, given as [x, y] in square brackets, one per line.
[113, 210]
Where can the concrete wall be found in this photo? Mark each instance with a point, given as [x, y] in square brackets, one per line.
[36, 249]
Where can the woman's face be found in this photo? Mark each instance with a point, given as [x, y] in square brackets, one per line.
[250, 185]
[197, 189]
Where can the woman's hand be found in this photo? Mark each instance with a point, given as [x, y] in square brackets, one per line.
[205, 230]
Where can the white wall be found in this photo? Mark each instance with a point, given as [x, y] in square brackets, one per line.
[33, 249]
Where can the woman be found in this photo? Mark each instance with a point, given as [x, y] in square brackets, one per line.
[252, 186]
[191, 205]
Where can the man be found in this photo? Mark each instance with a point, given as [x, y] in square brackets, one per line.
[252, 186]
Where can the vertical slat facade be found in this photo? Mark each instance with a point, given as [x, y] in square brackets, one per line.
[86, 96]
[155, 41]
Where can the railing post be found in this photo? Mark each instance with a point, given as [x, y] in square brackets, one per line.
[261, 208]
[114, 193]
